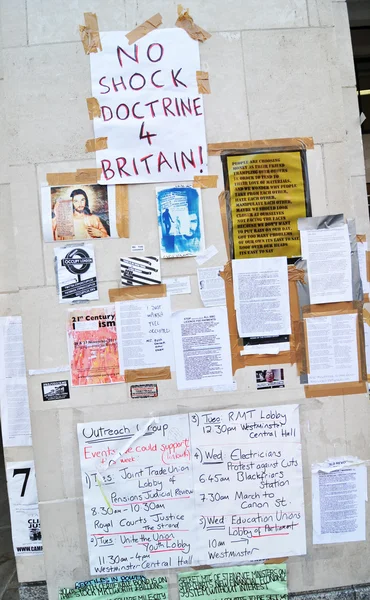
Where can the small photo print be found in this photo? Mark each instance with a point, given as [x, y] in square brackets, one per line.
[55, 390]
[270, 378]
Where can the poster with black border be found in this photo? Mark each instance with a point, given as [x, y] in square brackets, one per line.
[267, 190]
[55, 390]
[76, 273]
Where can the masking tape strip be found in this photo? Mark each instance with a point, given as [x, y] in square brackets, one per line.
[185, 21]
[155, 373]
[203, 82]
[305, 143]
[275, 561]
[122, 212]
[225, 227]
[340, 389]
[100, 143]
[89, 34]
[366, 298]
[368, 378]
[137, 292]
[205, 181]
[93, 107]
[367, 265]
[366, 317]
[146, 27]
[80, 176]
[361, 237]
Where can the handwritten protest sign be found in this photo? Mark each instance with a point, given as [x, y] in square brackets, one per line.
[124, 588]
[151, 110]
[239, 583]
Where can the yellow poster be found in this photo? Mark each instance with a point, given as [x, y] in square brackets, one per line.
[267, 197]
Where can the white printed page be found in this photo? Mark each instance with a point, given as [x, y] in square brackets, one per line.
[144, 333]
[202, 348]
[332, 349]
[261, 296]
[76, 273]
[248, 486]
[329, 269]
[211, 286]
[138, 494]
[339, 491]
[361, 253]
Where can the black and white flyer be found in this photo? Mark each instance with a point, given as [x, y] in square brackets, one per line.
[55, 390]
[143, 270]
[76, 273]
[24, 508]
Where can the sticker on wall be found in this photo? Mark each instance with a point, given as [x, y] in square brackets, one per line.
[180, 221]
[144, 390]
[145, 270]
[78, 212]
[24, 509]
[55, 390]
[270, 378]
[76, 273]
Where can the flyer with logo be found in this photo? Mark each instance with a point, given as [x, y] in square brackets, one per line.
[24, 508]
[76, 273]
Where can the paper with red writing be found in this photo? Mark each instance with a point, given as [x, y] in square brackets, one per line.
[92, 346]
[137, 486]
[151, 111]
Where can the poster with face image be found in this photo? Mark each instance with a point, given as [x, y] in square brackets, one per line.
[78, 212]
[180, 221]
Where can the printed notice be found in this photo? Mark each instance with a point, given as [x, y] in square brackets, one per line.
[15, 412]
[339, 492]
[329, 269]
[251, 582]
[177, 285]
[361, 253]
[145, 270]
[261, 294]
[55, 390]
[93, 346]
[76, 273]
[332, 349]
[144, 333]
[267, 196]
[248, 486]
[211, 286]
[151, 110]
[138, 489]
[24, 508]
[135, 587]
[202, 348]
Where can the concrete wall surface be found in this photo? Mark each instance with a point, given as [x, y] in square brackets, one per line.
[278, 68]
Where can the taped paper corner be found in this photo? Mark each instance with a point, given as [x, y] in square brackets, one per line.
[89, 34]
[146, 27]
[186, 22]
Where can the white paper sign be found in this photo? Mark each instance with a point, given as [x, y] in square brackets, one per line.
[152, 112]
[339, 491]
[361, 252]
[76, 273]
[248, 485]
[177, 285]
[24, 509]
[202, 348]
[140, 510]
[211, 286]
[144, 333]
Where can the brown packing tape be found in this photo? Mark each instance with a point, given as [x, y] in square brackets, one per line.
[90, 34]
[305, 143]
[305, 337]
[368, 378]
[275, 561]
[153, 374]
[203, 82]
[340, 389]
[136, 292]
[367, 265]
[141, 30]
[80, 176]
[122, 211]
[366, 298]
[205, 181]
[93, 107]
[366, 317]
[100, 143]
[185, 21]
[361, 237]
[225, 228]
